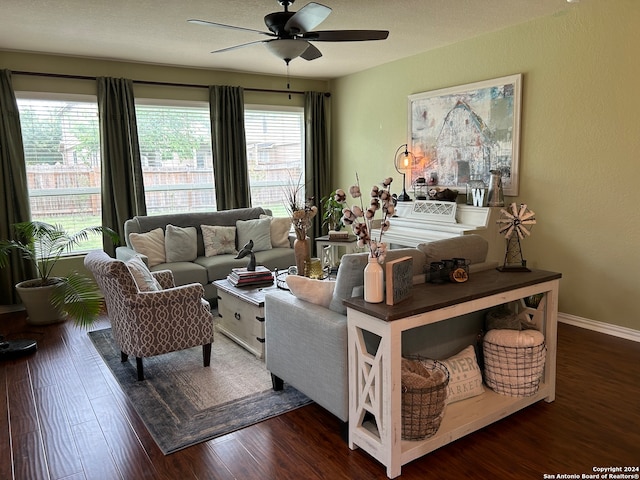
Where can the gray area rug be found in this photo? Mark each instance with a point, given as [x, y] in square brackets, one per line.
[183, 403]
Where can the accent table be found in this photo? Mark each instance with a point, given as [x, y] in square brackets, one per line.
[375, 377]
[350, 244]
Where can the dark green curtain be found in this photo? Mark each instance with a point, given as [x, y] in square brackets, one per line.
[15, 195]
[317, 165]
[228, 142]
[122, 185]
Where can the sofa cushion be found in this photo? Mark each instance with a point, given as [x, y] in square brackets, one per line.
[472, 247]
[145, 281]
[258, 230]
[150, 244]
[219, 266]
[416, 255]
[185, 272]
[180, 244]
[319, 292]
[280, 258]
[218, 240]
[280, 229]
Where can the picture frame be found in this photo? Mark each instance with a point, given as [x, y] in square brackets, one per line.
[461, 133]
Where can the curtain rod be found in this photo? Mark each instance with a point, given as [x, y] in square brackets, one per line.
[150, 82]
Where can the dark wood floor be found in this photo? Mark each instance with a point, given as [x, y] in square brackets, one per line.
[64, 417]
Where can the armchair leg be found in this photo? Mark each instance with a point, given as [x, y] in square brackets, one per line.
[206, 354]
[139, 368]
[123, 357]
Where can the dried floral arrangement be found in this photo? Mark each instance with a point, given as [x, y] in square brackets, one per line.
[300, 210]
[362, 219]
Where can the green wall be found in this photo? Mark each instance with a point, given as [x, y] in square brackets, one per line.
[580, 147]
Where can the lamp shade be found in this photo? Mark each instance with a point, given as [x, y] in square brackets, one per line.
[403, 162]
[287, 49]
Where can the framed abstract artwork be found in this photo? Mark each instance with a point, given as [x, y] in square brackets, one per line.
[462, 133]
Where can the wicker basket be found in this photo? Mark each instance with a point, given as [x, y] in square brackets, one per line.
[514, 370]
[423, 407]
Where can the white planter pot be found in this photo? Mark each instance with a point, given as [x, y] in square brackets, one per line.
[37, 302]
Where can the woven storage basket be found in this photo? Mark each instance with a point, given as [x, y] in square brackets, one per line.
[423, 407]
[514, 361]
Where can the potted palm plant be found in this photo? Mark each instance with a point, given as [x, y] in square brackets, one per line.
[49, 298]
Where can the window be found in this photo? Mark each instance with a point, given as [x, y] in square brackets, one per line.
[275, 154]
[62, 155]
[177, 164]
[62, 152]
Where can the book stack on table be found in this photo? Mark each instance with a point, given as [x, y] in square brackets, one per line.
[341, 236]
[241, 276]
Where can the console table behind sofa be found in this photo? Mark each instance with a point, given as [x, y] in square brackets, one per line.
[374, 377]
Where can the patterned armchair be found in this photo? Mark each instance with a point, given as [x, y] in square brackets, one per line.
[150, 323]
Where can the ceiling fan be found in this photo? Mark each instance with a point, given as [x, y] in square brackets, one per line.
[291, 32]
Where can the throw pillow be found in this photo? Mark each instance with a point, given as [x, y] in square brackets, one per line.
[258, 230]
[218, 240]
[465, 377]
[145, 281]
[350, 277]
[311, 290]
[180, 244]
[280, 228]
[150, 244]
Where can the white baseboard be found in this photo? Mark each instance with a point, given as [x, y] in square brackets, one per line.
[11, 308]
[606, 328]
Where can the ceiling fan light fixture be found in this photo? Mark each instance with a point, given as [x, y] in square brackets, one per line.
[287, 49]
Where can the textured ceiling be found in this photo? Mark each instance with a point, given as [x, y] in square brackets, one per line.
[157, 32]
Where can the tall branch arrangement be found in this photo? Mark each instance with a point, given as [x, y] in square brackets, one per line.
[301, 211]
[361, 219]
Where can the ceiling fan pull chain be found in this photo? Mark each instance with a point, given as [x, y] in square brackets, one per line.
[288, 80]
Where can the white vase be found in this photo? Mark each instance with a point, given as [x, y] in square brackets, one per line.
[373, 281]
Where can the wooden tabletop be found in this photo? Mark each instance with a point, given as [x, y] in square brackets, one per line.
[427, 297]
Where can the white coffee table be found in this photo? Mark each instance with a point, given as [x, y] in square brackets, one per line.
[241, 312]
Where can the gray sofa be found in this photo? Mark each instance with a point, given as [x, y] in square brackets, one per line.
[203, 269]
[306, 344]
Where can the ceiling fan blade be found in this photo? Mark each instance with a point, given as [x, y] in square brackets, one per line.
[307, 18]
[232, 27]
[242, 45]
[345, 35]
[311, 53]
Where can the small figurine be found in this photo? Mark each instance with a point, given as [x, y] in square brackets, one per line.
[248, 250]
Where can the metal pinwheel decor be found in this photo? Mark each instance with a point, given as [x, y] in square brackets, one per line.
[515, 224]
